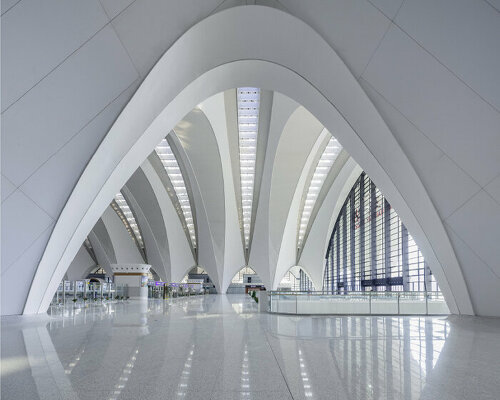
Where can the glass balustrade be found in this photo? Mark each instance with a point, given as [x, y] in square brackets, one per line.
[358, 303]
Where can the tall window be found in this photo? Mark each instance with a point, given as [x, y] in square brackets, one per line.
[371, 249]
[306, 284]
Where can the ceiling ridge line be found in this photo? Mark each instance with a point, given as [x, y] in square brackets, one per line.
[57, 66]
[77, 133]
[419, 130]
[435, 57]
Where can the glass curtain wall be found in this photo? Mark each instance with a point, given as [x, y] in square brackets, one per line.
[305, 284]
[371, 249]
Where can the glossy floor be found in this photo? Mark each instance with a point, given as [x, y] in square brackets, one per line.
[220, 347]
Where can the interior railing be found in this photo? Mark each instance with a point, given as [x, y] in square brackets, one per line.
[358, 303]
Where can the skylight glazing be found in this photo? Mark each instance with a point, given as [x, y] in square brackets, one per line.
[128, 219]
[248, 100]
[328, 157]
[174, 173]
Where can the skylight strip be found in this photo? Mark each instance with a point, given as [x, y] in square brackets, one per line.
[248, 100]
[128, 219]
[175, 176]
[328, 157]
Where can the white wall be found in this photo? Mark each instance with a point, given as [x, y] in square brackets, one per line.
[420, 65]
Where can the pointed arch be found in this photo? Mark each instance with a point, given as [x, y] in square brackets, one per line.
[193, 69]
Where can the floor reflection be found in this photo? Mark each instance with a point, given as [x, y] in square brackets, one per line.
[220, 347]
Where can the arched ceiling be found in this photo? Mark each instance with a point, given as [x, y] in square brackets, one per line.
[417, 61]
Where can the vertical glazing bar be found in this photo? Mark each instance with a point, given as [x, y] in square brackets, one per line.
[361, 227]
[373, 233]
[337, 234]
[405, 259]
[332, 267]
[344, 248]
[352, 242]
[387, 243]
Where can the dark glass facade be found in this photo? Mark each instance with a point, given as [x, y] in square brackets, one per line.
[305, 284]
[371, 249]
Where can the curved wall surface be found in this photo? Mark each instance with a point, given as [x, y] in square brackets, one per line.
[400, 100]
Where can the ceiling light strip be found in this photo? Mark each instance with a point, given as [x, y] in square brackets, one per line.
[328, 157]
[174, 173]
[128, 219]
[248, 100]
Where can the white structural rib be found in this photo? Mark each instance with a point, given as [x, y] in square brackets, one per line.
[328, 157]
[128, 219]
[174, 173]
[248, 99]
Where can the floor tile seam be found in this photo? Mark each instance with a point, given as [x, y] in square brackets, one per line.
[279, 366]
[212, 390]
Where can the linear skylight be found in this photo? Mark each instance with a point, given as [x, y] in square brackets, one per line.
[174, 173]
[128, 219]
[328, 157]
[248, 99]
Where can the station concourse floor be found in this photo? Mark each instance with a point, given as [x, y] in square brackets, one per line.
[221, 347]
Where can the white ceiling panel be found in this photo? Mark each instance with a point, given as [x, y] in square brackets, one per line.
[51, 185]
[148, 28]
[38, 35]
[353, 28]
[448, 185]
[388, 7]
[437, 103]
[483, 281]
[18, 277]
[7, 188]
[464, 35]
[493, 189]
[8, 4]
[48, 116]
[22, 222]
[477, 224]
[494, 3]
[115, 7]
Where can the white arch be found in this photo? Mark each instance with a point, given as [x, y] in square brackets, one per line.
[316, 246]
[284, 55]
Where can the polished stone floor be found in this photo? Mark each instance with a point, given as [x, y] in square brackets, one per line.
[220, 347]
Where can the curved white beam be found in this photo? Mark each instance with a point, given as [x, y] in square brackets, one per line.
[81, 266]
[103, 248]
[143, 202]
[215, 111]
[312, 257]
[125, 249]
[264, 260]
[208, 59]
[181, 257]
[208, 216]
[304, 157]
